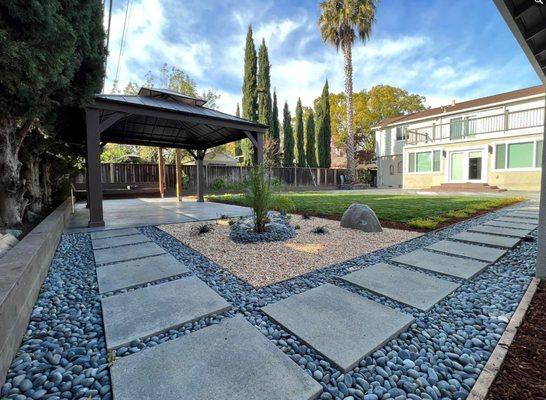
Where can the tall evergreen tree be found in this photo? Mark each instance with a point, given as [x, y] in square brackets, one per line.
[288, 136]
[310, 145]
[298, 133]
[238, 150]
[250, 93]
[274, 131]
[264, 88]
[323, 128]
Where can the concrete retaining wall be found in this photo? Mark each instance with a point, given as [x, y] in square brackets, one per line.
[22, 272]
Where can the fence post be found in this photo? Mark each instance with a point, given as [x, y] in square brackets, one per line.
[335, 177]
[295, 176]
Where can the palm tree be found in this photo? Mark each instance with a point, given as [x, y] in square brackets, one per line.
[341, 22]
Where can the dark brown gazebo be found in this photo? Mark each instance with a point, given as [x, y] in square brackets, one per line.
[159, 118]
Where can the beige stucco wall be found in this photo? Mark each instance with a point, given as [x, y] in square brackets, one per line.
[386, 179]
[506, 179]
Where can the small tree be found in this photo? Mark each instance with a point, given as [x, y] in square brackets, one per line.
[259, 197]
[288, 143]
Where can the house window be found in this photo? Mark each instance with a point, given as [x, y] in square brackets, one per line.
[411, 164]
[436, 154]
[388, 142]
[500, 161]
[423, 162]
[401, 132]
[518, 155]
[391, 169]
[400, 166]
[538, 155]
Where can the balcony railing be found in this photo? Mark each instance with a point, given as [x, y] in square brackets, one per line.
[463, 128]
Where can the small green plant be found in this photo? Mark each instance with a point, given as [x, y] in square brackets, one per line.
[457, 214]
[218, 184]
[231, 222]
[320, 230]
[201, 229]
[297, 226]
[224, 216]
[305, 216]
[111, 357]
[283, 204]
[424, 223]
[259, 196]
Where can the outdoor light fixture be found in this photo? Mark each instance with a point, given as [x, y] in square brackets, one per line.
[490, 149]
[444, 153]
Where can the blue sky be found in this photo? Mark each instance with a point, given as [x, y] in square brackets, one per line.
[441, 49]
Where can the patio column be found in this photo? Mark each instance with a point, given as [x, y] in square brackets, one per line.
[200, 155]
[541, 256]
[161, 171]
[94, 193]
[178, 176]
[259, 149]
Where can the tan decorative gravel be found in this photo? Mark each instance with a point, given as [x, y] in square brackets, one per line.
[261, 264]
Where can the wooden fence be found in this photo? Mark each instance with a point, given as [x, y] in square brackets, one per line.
[218, 176]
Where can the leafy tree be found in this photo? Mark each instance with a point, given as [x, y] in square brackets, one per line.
[300, 138]
[323, 131]
[341, 22]
[52, 61]
[250, 93]
[380, 102]
[310, 145]
[288, 136]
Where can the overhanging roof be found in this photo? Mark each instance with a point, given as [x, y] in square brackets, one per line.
[162, 118]
[527, 21]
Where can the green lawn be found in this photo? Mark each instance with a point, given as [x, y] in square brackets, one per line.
[410, 211]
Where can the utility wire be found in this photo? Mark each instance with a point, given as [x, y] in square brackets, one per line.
[123, 36]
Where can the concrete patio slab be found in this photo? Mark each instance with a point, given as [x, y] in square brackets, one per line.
[413, 288]
[519, 220]
[113, 233]
[137, 272]
[144, 312]
[467, 250]
[442, 263]
[497, 230]
[125, 253]
[119, 241]
[343, 326]
[228, 361]
[516, 225]
[484, 238]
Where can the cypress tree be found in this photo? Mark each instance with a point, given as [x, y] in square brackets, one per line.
[324, 131]
[298, 131]
[264, 88]
[238, 150]
[250, 93]
[288, 142]
[274, 130]
[310, 146]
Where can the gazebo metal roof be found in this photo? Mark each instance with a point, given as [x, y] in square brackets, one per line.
[170, 121]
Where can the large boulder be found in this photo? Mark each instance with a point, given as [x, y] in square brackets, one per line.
[362, 217]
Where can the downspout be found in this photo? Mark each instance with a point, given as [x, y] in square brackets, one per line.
[541, 255]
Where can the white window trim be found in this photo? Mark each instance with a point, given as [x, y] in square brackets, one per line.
[406, 168]
[508, 142]
[466, 151]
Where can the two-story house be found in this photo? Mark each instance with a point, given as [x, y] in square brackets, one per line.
[494, 140]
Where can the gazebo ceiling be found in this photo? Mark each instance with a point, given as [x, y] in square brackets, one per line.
[157, 117]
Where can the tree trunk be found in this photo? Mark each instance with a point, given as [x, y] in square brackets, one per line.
[45, 178]
[12, 187]
[350, 142]
[30, 172]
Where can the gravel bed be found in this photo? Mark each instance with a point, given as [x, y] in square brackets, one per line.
[440, 356]
[266, 263]
[276, 230]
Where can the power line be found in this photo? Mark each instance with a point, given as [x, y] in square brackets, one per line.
[123, 36]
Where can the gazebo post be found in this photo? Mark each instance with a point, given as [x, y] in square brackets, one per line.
[161, 171]
[257, 140]
[200, 155]
[94, 192]
[178, 176]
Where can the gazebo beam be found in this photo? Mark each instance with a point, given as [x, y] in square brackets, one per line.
[94, 193]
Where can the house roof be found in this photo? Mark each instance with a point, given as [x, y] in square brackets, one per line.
[158, 117]
[482, 101]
